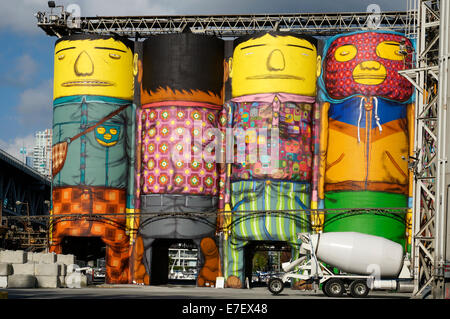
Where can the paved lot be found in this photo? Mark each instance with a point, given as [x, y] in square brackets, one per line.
[190, 302]
[176, 292]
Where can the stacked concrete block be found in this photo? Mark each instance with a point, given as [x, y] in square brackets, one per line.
[5, 271]
[65, 259]
[47, 275]
[19, 269]
[23, 269]
[13, 256]
[21, 281]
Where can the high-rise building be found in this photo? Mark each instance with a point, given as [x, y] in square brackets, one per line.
[42, 152]
[29, 161]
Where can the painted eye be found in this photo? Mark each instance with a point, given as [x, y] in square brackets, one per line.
[113, 131]
[114, 56]
[61, 56]
[345, 53]
[389, 50]
[101, 130]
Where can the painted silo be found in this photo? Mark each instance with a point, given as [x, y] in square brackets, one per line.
[182, 88]
[273, 115]
[367, 131]
[92, 147]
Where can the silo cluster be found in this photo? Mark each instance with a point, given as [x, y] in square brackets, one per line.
[226, 146]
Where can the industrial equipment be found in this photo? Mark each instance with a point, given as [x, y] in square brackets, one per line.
[365, 263]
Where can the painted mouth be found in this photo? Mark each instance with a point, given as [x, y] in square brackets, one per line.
[275, 76]
[87, 83]
[369, 76]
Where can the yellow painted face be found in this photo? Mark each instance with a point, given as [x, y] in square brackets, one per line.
[94, 67]
[272, 64]
[369, 73]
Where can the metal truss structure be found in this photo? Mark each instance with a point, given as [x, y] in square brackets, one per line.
[429, 162]
[318, 24]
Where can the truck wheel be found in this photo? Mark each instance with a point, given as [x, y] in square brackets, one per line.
[275, 285]
[334, 288]
[359, 289]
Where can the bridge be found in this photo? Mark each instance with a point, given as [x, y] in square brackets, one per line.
[24, 193]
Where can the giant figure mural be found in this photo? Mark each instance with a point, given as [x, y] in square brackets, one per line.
[367, 130]
[273, 116]
[93, 142]
[182, 89]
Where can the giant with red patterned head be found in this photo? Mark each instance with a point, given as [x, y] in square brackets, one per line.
[367, 133]
[368, 64]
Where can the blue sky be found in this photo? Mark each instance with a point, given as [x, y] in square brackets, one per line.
[26, 54]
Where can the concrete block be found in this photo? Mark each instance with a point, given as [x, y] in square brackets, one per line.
[5, 269]
[65, 259]
[44, 258]
[62, 269]
[3, 281]
[46, 269]
[48, 281]
[30, 257]
[13, 256]
[23, 269]
[76, 280]
[21, 281]
[62, 281]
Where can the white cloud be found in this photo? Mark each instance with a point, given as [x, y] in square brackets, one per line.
[13, 146]
[26, 68]
[21, 71]
[35, 106]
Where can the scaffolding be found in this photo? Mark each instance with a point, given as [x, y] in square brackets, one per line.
[319, 24]
[429, 161]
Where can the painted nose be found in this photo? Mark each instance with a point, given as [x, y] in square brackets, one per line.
[83, 64]
[370, 65]
[275, 61]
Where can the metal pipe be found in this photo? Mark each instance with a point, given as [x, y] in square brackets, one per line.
[440, 231]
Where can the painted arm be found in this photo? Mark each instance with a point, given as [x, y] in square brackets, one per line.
[224, 183]
[316, 158]
[410, 116]
[411, 120]
[322, 159]
[221, 160]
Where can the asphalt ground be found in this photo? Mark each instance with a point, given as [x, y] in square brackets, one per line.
[188, 301]
[173, 291]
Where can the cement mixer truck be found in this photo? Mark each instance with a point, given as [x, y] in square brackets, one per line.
[365, 262]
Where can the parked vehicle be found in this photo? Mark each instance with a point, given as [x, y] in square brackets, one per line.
[366, 263]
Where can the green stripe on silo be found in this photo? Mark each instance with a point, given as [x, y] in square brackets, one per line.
[388, 225]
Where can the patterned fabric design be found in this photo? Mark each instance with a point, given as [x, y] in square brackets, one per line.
[59, 154]
[100, 157]
[338, 76]
[367, 154]
[178, 150]
[294, 122]
[291, 198]
[90, 201]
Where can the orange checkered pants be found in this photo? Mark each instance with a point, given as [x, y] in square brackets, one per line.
[91, 212]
